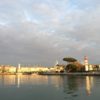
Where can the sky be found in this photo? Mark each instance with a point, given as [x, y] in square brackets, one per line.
[43, 31]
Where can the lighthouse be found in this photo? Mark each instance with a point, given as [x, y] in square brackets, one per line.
[86, 63]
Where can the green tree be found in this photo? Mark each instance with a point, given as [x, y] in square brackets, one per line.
[73, 65]
[71, 68]
[69, 59]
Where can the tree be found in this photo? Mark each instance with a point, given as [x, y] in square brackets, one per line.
[71, 68]
[69, 59]
[73, 64]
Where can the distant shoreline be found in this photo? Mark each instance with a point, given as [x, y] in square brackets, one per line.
[70, 73]
[74, 73]
[8, 73]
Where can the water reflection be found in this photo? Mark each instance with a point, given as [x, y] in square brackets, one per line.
[75, 86]
[18, 80]
[70, 86]
[72, 83]
[56, 81]
[7, 80]
[89, 84]
[21, 80]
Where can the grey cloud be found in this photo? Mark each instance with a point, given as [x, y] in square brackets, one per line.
[47, 33]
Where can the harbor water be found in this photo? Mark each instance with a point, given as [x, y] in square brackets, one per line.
[54, 87]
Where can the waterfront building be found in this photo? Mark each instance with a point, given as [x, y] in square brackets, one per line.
[90, 67]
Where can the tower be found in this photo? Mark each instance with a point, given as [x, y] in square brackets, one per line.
[18, 66]
[18, 69]
[86, 63]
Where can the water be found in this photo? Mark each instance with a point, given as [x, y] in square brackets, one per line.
[36, 87]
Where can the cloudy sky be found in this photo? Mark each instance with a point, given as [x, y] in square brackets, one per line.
[43, 31]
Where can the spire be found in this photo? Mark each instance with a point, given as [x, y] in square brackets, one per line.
[56, 62]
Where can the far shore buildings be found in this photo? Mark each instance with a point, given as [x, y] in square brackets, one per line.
[58, 68]
[90, 67]
[22, 69]
[30, 69]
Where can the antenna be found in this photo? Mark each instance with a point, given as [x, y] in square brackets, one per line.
[56, 62]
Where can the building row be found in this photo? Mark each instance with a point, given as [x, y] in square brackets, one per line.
[35, 69]
[90, 67]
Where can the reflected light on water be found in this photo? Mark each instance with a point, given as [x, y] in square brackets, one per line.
[57, 87]
[22, 80]
[89, 84]
[56, 81]
[68, 84]
[8, 80]
[19, 80]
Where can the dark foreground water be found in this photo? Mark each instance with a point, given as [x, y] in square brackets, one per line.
[36, 87]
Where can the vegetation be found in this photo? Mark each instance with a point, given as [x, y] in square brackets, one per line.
[71, 68]
[73, 65]
[69, 59]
